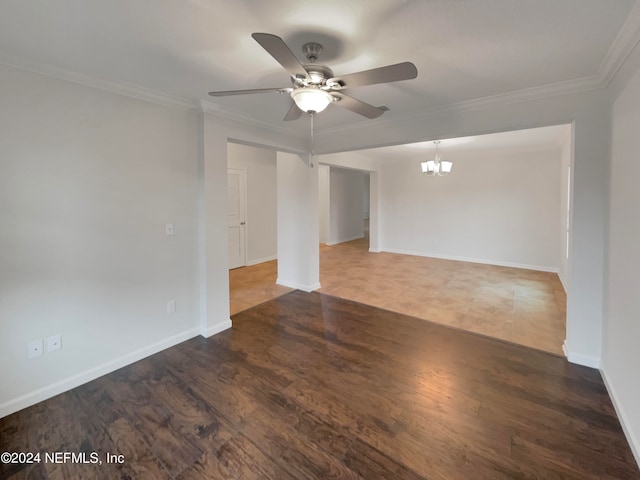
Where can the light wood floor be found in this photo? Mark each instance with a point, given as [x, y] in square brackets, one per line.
[522, 306]
[309, 386]
[253, 285]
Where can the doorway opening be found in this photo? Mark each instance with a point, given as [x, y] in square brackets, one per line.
[344, 205]
[483, 249]
[252, 225]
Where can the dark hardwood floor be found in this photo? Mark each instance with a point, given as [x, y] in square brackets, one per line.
[308, 386]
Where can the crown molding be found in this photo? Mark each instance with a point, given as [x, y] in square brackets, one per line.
[120, 88]
[622, 46]
[529, 94]
[159, 98]
[141, 93]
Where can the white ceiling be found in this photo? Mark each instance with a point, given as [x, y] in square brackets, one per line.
[463, 49]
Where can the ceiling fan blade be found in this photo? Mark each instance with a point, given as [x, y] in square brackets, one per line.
[248, 92]
[357, 106]
[294, 113]
[283, 55]
[390, 73]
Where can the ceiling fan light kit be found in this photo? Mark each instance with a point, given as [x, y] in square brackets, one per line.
[314, 86]
[310, 99]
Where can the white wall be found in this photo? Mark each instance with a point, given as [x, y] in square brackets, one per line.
[374, 212]
[261, 220]
[298, 224]
[621, 352]
[366, 196]
[88, 180]
[495, 207]
[566, 156]
[345, 205]
[324, 196]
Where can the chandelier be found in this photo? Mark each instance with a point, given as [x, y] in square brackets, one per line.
[436, 167]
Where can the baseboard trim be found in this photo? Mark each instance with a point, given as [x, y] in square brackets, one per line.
[624, 422]
[262, 260]
[562, 281]
[579, 358]
[217, 328]
[74, 381]
[298, 286]
[540, 268]
[343, 240]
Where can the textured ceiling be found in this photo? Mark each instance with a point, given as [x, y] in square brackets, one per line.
[464, 49]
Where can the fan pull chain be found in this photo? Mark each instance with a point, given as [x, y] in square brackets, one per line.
[311, 152]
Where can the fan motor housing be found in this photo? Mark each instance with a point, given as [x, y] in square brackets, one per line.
[318, 73]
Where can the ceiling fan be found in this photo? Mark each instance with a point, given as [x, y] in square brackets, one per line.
[314, 86]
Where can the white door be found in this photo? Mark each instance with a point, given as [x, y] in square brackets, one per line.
[236, 218]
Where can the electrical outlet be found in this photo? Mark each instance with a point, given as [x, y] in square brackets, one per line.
[171, 306]
[34, 348]
[168, 229]
[54, 343]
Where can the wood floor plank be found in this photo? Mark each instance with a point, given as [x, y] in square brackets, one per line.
[309, 386]
[140, 462]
